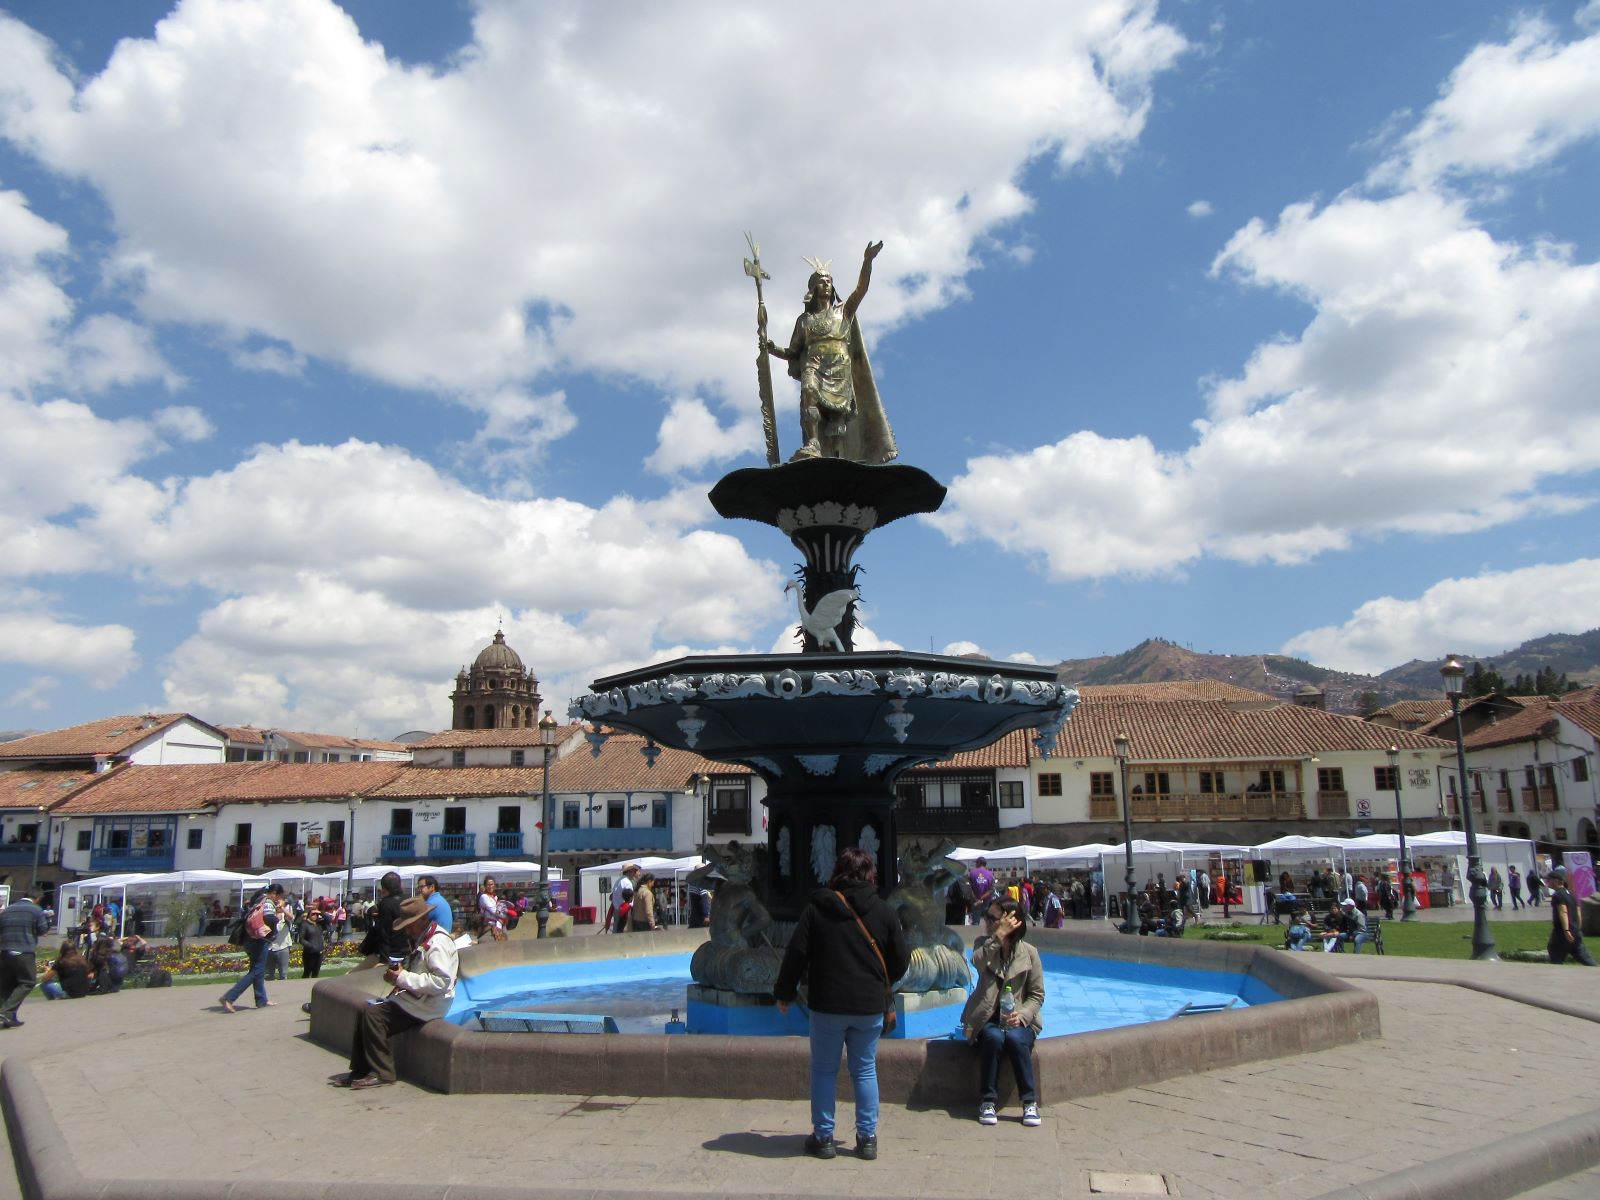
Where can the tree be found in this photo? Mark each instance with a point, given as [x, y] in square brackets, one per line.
[183, 912]
[1369, 703]
[1483, 683]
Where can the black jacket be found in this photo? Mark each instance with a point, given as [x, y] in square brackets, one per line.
[828, 948]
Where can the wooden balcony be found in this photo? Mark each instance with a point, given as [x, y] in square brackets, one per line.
[1502, 801]
[331, 854]
[283, 854]
[1238, 806]
[237, 858]
[917, 819]
[1540, 799]
[1333, 804]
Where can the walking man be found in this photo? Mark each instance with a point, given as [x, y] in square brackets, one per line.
[20, 926]
[1566, 933]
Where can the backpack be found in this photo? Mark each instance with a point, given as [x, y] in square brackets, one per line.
[117, 964]
[236, 934]
[255, 925]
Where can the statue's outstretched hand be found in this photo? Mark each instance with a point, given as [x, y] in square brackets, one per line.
[872, 250]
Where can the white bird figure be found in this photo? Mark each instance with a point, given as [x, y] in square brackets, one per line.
[822, 620]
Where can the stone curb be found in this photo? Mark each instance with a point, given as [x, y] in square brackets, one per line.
[1514, 994]
[47, 1171]
[1499, 1171]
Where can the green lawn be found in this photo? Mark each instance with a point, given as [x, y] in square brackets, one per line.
[1428, 939]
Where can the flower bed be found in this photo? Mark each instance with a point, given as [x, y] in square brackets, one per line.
[219, 958]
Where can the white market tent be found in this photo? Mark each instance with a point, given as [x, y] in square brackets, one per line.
[1496, 851]
[71, 896]
[1085, 855]
[589, 895]
[1007, 855]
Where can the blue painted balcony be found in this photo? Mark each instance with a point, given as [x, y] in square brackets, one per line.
[20, 854]
[395, 846]
[453, 845]
[504, 844]
[624, 840]
[149, 858]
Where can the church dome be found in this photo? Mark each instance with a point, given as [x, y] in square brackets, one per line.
[497, 656]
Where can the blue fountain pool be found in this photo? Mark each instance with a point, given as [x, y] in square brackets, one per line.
[641, 994]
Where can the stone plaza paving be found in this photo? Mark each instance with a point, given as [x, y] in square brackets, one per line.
[160, 1093]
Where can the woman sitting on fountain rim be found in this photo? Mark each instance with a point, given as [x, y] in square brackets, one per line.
[849, 945]
[1002, 1014]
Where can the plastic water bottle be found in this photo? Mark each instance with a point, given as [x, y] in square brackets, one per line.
[1008, 1002]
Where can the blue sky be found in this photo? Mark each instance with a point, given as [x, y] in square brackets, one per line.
[332, 335]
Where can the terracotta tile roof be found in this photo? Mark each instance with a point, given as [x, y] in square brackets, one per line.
[1175, 689]
[1529, 722]
[196, 786]
[1013, 750]
[1191, 730]
[423, 782]
[249, 735]
[109, 736]
[621, 767]
[461, 739]
[26, 789]
[1582, 709]
[1414, 712]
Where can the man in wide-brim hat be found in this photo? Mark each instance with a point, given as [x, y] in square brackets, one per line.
[424, 985]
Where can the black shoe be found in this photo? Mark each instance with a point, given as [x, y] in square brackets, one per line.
[821, 1147]
[14, 1022]
[867, 1147]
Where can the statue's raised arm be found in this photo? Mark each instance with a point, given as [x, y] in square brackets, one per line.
[841, 415]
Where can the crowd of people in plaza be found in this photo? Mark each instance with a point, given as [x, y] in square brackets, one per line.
[636, 906]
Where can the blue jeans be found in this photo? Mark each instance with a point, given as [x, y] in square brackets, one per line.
[857, 1034]
[256, 948]
[1017, 1045]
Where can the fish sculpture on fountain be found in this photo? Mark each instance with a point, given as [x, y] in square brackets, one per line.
[741, 955]
[937, 959]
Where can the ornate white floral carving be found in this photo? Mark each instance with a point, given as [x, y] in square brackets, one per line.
[954, 687]
[829, 513]
[843, 683]
[596, 739]
[691, 724]
[995, 689]
[679, 688]
[645, 694]
[899, 720]
[733, 686]
[787, 684]
[1033, 691]
[875, 763]
[818, 764]
[868, 841]
[767, 765]
[906, 683]
[823, 852]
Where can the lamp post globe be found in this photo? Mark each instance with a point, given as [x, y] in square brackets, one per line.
[1483, 947]
[547, 743]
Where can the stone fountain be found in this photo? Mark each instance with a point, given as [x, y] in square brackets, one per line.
[829, 730]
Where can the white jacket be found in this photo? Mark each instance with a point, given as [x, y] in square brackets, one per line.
[427, 979]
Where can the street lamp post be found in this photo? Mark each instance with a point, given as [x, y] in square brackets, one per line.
[1130, 911]
[1483, 948]
[1408, 893]
[354, 802]
[33, 872]
[547, 742]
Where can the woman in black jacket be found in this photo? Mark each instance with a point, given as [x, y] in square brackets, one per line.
[849, 945]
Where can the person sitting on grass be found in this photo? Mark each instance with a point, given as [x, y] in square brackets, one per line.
[423, 987]
[68, 977]
[1299, 935]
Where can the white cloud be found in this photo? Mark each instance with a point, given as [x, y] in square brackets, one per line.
[1443, 384]
[1485, 614]
[530, 205]
[1199, 209]
[184, 422]
[1506, 108]
[35, 694]
[100, 654]
[108, 351]
[690, 436]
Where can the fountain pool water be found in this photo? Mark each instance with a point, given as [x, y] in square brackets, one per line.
[641, 994]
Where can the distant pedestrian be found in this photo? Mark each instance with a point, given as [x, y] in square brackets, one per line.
[1386, 897]
[642, 917]
[313, 940]
[982, 881]
[1566, 931]
[1535, 887]
[279, 944]
[443, 915]
[622, 898]
[20, 926]
[1497, 888]
[260, 921]
[1514, 886]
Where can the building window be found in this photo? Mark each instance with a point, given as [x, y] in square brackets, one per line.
[85, 839]
[1102, 783]
[1050, 784]
[519, 758]
[1330, 779]
[488, 716]
[458, 758]
[1580, 770]
[909, 795]
[1547, 776]
[1386, 779]
[336, 832]
[455, 819]
[509, 819]
[1210, 783]
[1157, 783]
[400, 820]
[616, 814]
[658, 813]
[468, 718]
[1010, 793]
[196, 838]
[570, 810]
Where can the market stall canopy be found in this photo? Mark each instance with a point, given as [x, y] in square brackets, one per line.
[1089, 852]
[647, 863]
[1294, 842]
